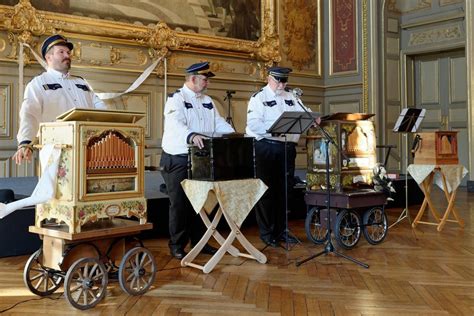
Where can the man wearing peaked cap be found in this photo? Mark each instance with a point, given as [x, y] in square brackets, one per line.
[200, 69]
[50, 94]
[55, 40]
[264, 108]
[280, 74]
[188, 113]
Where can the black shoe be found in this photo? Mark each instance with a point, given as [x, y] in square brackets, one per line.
[208, 250]
[178, 253]
[290, 239]
[270, 242]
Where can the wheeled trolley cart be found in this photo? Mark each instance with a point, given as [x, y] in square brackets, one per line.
[351, 212]
[84, 262]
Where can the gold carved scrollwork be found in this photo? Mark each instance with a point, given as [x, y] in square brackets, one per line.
[114, 56]
[25, 18]
[300, 32]
[221, 67]
[161, 40]
[267, 48]
[22, 23]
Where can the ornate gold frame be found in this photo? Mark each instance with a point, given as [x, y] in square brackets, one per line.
[23, 22]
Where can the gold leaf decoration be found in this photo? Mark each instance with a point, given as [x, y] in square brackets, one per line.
[300, 34]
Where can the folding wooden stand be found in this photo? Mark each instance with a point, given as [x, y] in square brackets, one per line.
[426, 186]
[221, 192]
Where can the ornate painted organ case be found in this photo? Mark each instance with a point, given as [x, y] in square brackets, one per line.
[101, 171]
[355, 134]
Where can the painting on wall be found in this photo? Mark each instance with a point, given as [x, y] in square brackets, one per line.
[227, 18]
[343, 37]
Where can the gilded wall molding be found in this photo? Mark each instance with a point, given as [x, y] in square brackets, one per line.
[435, 35]
[365, 58]
[25, 23]
[449, 2]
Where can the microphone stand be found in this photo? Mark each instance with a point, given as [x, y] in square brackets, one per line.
[329, 247]
[228, 97]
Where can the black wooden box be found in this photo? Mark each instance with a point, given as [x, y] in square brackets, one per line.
[223, 158]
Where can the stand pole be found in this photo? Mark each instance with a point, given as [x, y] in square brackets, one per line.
[228, 119]
[405, 213]
[287, 231]
[329, 247]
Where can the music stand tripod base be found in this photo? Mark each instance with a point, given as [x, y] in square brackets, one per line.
[329, 247]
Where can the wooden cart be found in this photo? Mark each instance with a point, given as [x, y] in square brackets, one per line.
[85, 261]
[347, 208]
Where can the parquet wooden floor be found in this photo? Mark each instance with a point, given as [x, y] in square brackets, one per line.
[413, 272]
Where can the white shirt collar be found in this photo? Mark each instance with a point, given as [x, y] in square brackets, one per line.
[191, 93]
[272, 93]
[58, 74]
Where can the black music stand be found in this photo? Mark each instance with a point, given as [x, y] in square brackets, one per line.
[329, 247]
[408, 122]
[228, 97]
[290, 123]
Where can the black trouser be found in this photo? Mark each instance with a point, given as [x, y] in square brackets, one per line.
[270, 210]
[184, 223]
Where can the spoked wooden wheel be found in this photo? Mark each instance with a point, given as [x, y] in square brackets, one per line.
[315, 231]
[375, 225]
[40, 280]
[86, 283]
[347, 229]
[137, 271]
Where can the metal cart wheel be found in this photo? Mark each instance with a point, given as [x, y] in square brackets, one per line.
[314, 228]
[40, 280]
[137, 271]
[347, 229]
[375, 225]
[86, 283]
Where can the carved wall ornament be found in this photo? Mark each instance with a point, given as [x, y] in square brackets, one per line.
[161, 39]
[300, 32]
[267, 48]
[252, 68]
[22, 23]
[25, 18]
[392, 6]
[405, 6]
[435, 35]
[449, 2]
[221, 67]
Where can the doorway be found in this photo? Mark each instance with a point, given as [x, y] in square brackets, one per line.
[440, 88]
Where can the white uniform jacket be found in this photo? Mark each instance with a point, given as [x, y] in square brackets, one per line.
[187, 112]
[49, 95]
[265, 107]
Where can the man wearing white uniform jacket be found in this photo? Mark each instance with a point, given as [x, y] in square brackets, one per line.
[188, 112]
[51, 94]
[264, 108]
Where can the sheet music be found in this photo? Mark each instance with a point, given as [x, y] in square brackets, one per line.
[293, 122]
[409, 120]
